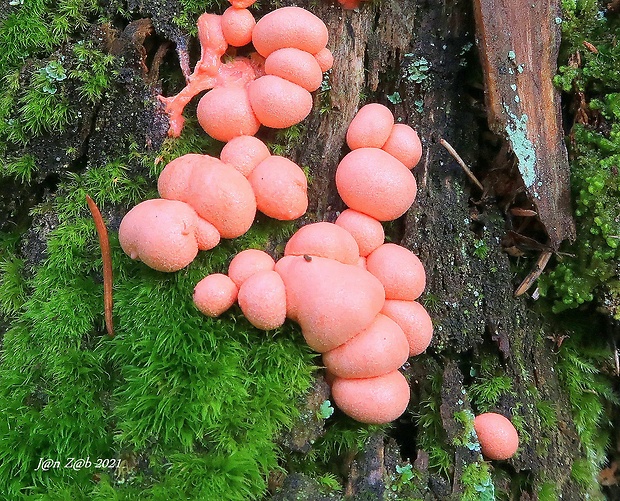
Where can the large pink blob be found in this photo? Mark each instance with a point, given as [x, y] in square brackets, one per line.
[331, 301]
[373, 182]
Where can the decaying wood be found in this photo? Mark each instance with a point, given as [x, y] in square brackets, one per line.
[519, 42]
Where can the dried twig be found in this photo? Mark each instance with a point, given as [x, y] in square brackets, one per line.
[463, 165]
[106, 256]
[533, 275]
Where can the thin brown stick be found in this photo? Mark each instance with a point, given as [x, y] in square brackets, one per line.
[533, 275]
[106, 256]
[463, 165]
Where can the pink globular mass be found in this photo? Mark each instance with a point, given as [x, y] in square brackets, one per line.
[237, 106]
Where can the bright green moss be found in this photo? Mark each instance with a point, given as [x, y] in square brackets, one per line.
[204, 400]
[589, 270]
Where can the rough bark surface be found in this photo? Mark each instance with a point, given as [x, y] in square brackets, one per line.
[470, 298]
[519, 43]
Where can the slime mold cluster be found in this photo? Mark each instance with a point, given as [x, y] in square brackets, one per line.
[353, 295]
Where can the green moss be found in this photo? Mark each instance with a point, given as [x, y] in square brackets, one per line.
[431, 435]
[590, 393]
[486, 391]
[588, 271]
[547, 491]
[477, 482]
[34, 30]
[200, 400]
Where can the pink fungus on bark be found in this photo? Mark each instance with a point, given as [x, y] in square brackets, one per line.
[373, 182]
[244, 153]
[226, 112]
[404, 145]
[278, 103]
[289, 27]
[380, 348]
[366, 230]
[161, 234]
[280, 188]
[237, 26]
[323, 239]
[415, 322]
[331, 301]
[497, 436]
[371, 127]
[374, 400]
[399, 270]
[262, 298]
[296, 66]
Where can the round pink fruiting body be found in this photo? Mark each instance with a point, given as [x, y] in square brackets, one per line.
[174, 181]
[370, 128]
[415, 322]
[404, 144]
[497, 436]
[215, 294]
[160, 233]
[296, 66]
[222, 195]
[381, 348]
[331, 301]
[226, 112]
[374, 400]
[280, 188]
[248, 263]
[289, 27]
[207, 235]
[241, 4]
[373, 182]
[244, 153]
[367, 231]
[262, 299]
[237, 26]
[278, 103]
[399, 270]
[323, 239]
[325, 58]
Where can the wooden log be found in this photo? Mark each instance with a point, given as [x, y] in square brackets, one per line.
[519, 42]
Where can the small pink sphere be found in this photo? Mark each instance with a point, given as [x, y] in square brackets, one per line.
[225, 113]
[244, 153]
[374, 400]
[248, 263]
[278, 103]
[323, 239]
[289, 27]
[415, 322]
[262, 298]
[367, 231]
[160, 233]
[214, 294]
[404, 144]
[371, 127]
[399, 270]
[497, 435]
[377, 350]
[280, 188]
[325, 58]
[237, 26]
[296, 66]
